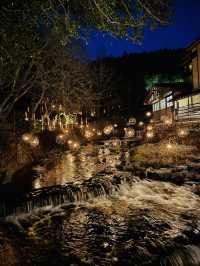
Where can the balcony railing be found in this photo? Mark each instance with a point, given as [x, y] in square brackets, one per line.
[190, 112]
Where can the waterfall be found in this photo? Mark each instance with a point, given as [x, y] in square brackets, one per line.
[70, 192]
[188, 255]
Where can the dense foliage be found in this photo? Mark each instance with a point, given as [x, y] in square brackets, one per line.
[26, 26]
[132, 73]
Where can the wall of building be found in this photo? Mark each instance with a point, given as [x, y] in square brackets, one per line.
[163, 116]
[187, 108]
[196, 66]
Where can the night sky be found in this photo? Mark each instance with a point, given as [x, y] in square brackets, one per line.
[184, 30]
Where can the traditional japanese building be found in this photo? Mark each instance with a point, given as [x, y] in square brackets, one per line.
[187, 104]
[179, 102]
[161, 98]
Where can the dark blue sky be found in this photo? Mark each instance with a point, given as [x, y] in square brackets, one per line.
[184, 30]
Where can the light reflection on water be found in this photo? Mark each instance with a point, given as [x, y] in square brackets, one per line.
[81, 165]
[133, 226]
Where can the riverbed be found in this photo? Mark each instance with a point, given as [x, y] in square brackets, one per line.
[88, 211]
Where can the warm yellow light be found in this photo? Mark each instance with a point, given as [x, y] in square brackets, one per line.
[169, 146]
[66, 131]
[70, 142]
[149, 135]
[26, 137]
[81, 126]
[182, 133]
[88, 134]
[76, 145]
[115, 259]
[99, 133]
[93, 129]
[93, 114]
[34, 142]
[61, 136]
[115, 125]
[148, 114]
[132, 121]
[108, 130]
[141, 123]
[149, 127]
[30, 139]
[167, 122]
[130, 132]
[116, 142]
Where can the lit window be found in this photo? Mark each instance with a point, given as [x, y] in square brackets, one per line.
[183, 102]
[156, 106]
[169, 101]
[196, 99]
[162, 104]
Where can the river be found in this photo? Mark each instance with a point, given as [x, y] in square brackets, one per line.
[93, 213]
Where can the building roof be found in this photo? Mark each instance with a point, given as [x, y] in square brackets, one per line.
[186, 94]
[189, 50]
[194, 43]
[165, 88]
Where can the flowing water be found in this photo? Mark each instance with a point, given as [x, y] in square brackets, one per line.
[94, 214]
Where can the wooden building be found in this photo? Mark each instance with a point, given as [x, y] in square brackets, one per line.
[187, 104]
[161, 98]
[179, 102]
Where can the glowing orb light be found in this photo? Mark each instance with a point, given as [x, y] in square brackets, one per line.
[115, 259]
[93, 114]
[167, 122]
[149, 127]
[141, 124]
[182, 133]
[99, 133]
[108, 130]
[88, 134]
[132, 121]
[60, 139]
[27, 137]
[65, 131]
[75, 145]
[149, 135]
[148, 114]
[169, 146]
